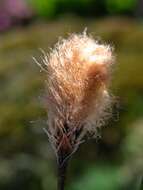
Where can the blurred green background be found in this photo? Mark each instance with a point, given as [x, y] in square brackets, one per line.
[27, 161]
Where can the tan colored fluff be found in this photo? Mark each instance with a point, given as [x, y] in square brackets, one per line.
[78, 74]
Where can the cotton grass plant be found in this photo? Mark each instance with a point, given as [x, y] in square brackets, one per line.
[78, 100]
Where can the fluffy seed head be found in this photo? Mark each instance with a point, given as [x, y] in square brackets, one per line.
[78, 75]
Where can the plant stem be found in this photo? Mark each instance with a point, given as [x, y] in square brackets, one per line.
[62, 168]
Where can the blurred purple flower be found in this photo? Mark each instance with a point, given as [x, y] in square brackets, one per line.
[5, 21]
[18, 8]
[12, 11]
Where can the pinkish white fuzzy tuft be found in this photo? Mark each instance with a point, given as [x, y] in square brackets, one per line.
[78, 79]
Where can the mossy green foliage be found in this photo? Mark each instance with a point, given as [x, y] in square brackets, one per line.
[53, 8]
[24, 149]
[121, 6]
[44, 8]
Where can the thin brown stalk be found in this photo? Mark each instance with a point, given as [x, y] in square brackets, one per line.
[62, 170]
[63, 158]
